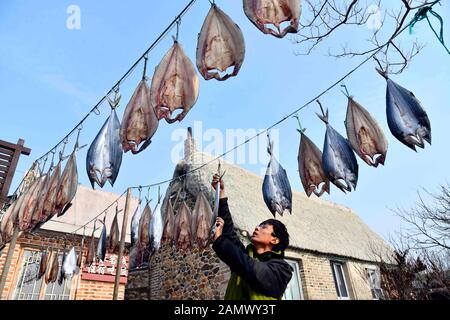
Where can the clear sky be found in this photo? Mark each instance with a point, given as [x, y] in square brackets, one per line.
[51, 76]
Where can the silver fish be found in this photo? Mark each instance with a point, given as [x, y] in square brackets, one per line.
[201, 220]
[276, 188]
[338, 160]
[365, 134]
[135, 225]
[114, 234]
[101, 245]
[104, 156]
[407, 119]
[156, 229]
[61, 270]
[69, 265]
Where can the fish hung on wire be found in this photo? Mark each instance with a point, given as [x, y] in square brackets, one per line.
[407, 119]
[201, 221]
[48, 206]
[101, 245]
[365, 134]
[113, 239]
[220, 46]
[175, 85]
[156, 227]
[183, 225]
[69, 266]
[310, 168]
[68, 183]
[277, 192]
[104, 156]
[43, 263]
[90, 256]
[61, 270]
[144, 223]
[169, 226]
[338, 160]
[53, 267]
[135, 224]
[267, 13]
[28, 205]
[139, 122]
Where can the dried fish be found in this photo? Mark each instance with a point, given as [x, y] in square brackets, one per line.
[61, 270]
[144, 223]
[263, 13]
[276, 188]
[135, 224]
[169, 225]
[37, 214]
[80, 256]
[139, 122]
[101, 245]
[220, 46]
[183, 223]
[201, 221]
[155, 229]
[90, 256]
[175, 85]
[406, 117]
[48, 210]
[30, 203]
[310, 168]
[338, 160]
[43, 264]
[113, 239]
[10, 220]
[52, 272]
[104, 156]
[365, 134]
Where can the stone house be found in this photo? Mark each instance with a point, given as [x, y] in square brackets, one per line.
[333, 252]
[94, 282]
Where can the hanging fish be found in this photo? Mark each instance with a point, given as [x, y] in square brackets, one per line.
[310, 168]
[144, 223]
[30, 203]
[113, 239]
[10, 220]
[220, 46]
[133, 258]
[276, 188]
[365, 134]
[201, 221]
[338, 160]
[175, 85]
[183, 223]
[37, 213]
[48, 207]
[101, 245]
[80, 256]
[104, 156]
[135, 224]
[68, 183]
[61, 270]
[90, 256]
[52, 272]
[155, 229]
[274, 12]
[43, 264]
[139, 122]
[69, 265]
[169, 226]
[406, 117]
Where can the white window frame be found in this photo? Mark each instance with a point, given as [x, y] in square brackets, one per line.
[375, 270]
[334, 272]
[297, 271]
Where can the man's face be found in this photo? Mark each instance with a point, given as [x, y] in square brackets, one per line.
[264, 235]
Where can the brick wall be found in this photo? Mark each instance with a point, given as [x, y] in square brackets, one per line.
[80, 289]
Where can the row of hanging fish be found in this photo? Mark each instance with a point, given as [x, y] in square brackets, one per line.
[150, 230]
[48, 195]
[175, 85]
[50, 268]
[407, 121]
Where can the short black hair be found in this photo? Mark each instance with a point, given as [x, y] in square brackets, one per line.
[280, 231]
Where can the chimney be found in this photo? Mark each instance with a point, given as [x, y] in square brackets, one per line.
[189, 146]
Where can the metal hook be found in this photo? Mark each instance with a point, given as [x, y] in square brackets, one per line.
[346, 91]
[144, 75]
[178, 28]
[324, 116]
[96, 111]
[301, 129]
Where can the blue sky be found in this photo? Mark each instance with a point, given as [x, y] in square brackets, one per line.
[51, 76]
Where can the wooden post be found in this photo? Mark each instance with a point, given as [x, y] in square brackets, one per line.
[122, 244]
[8, 260]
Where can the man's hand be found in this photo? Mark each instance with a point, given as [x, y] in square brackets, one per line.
[219, 228]
[215, 180]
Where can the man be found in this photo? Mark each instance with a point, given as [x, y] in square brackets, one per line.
[259, 271]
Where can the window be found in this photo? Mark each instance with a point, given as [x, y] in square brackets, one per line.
[373, 276]
[31, 288]
[294, 288]
[339, 280]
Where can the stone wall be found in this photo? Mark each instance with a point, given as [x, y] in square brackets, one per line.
[180, 275]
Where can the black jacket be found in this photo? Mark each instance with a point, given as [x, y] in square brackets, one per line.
[268, 273]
